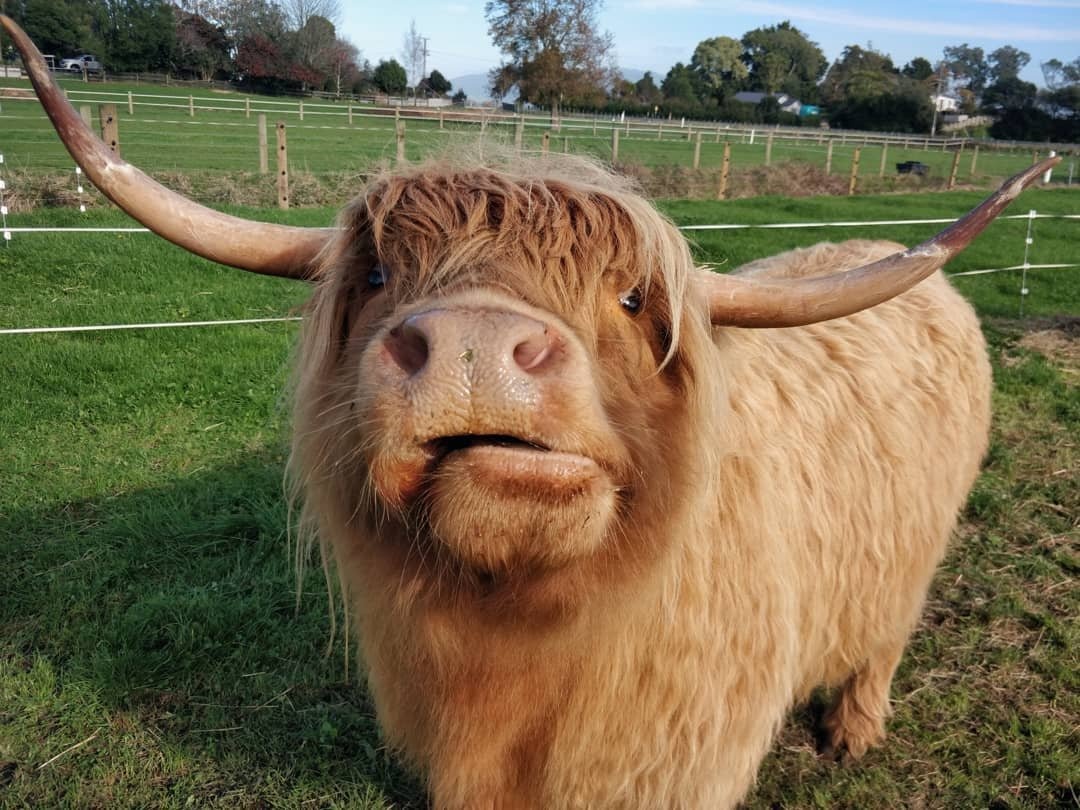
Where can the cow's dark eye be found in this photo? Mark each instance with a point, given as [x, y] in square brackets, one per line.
[376, 277]
[631, 301]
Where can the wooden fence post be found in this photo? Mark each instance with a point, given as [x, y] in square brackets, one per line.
[854, 171]
[282, 167]
[264, 147]
[247, 108]
[660, 132]
[301, 110]
[725, 168]
[768, 150]
[545, 142]
[110, 129]
[442, 122]
[400, 135]
[348, 108]
[955, 169]
[566, 145]
[87, 115]
[884, 158]
[974, 159]
[191, 106]
[131, 104]
[519, 133]
[828, 157]
[614, 145]
[697, 152]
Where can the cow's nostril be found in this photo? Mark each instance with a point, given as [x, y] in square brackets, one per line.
[408, 346]
[531, 353]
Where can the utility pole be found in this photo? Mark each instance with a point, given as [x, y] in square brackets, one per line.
[424, 54]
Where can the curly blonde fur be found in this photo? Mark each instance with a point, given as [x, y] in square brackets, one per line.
[782, 497]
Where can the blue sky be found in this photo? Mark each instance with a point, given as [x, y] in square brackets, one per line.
[654, 34]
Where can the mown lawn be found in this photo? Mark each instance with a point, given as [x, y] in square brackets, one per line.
[152, 653]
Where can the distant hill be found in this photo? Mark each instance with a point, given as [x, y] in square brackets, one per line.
[475, 85]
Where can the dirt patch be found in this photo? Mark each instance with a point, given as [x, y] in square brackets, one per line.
[1060, 343]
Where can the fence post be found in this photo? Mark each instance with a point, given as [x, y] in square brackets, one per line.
[442, 122]
[348, 108]
[725, 168]
[566, 145]
[974, 159]
[282, 167]
[264, 147]
[614, 145]
[828, 157]
[955, 169]
[400, 135]
[110, 129]
[768, 150]
[697, 152]
[519, 132]
[660, 132]
[87, 115]
[545, 142]
[854, 171]
[191, 106]
[1034, 156]
[884, 158]
[131, 104]
[301, 108]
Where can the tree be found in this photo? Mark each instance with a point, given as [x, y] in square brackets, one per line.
[1058, 74]
[1009, 93]
[389, 76]
[298, 12]
[241, 19]
[968, 66]
[679, 84]
[646, 91]
[918, 69]
[859, 74]
[413, 53]
[202, 48]
[1007, 62]
[312, 52]
[718, 63]
[439, 84]
[554, 48]
[58, 27]
[781, 57]
[138, 35]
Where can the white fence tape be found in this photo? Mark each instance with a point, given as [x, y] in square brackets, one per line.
[107, 327]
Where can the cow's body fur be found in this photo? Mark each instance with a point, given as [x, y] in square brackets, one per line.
[796, 491]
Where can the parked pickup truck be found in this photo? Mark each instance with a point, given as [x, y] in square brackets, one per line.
[78, 64]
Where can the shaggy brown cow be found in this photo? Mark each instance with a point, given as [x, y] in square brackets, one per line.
[597, 536]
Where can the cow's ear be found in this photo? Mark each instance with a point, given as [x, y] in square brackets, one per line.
[760, 302]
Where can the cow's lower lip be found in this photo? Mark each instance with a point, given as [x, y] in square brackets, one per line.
[519, 468]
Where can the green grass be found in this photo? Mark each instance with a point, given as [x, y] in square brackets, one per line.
[148, 607]
[161, 136]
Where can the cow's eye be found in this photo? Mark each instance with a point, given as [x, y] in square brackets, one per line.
[631, 301]
[376, 277]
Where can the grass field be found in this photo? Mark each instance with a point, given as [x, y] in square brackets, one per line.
[151, 654]
[161, 136]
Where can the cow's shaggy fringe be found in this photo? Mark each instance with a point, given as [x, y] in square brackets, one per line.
[787, 496]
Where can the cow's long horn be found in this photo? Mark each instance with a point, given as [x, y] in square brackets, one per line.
[276, 250]
[749, 302]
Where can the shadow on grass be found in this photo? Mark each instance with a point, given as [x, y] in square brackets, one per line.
[166, 620]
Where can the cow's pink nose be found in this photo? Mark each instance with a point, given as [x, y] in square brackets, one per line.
[511, 340]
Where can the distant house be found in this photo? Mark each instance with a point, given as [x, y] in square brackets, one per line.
[787, 103]
[943, 103]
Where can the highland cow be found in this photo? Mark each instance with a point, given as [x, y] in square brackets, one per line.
[603, 517]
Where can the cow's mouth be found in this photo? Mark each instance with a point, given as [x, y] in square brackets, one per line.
[505, 464]
[438, 449]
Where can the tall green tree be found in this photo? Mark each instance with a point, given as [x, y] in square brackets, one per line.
[138, 35]
[969, 67]
[1006, 63]
[555, 51]
[58, 27]
[859, 73]
[918, 69]
[719, 65]
[202, 48]
[781, 57]
[390, 77]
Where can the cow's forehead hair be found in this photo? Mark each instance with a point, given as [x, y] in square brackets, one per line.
[569, 217]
